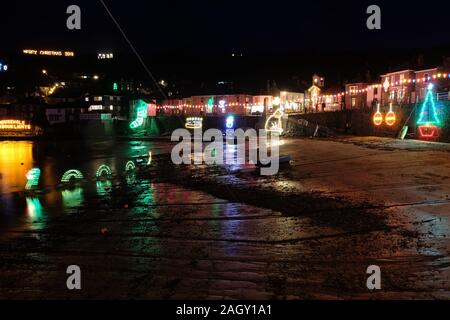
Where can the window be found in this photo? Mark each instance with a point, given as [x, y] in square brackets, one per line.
[375, 91]
[392, 95]
[353, 102]
[401, 94]
[98, 98]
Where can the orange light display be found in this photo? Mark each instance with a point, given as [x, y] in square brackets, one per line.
[428, 131]
[8, 125]
[378, 117]
[390, 117]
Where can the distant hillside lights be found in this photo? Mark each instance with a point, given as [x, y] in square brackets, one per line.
[104, 56]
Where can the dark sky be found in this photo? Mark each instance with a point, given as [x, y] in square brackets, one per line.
[192, 41]
[216, 25]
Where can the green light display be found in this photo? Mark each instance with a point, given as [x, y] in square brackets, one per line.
[141, 114]
[34, 208]
[72, 175]
[428, 113]
[103, 171]
[130, 166]
[115, 86]
[33, 178]
[104, 187]
[72, 198]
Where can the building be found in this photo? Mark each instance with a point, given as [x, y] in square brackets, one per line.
[312, 95]
[356, 95]
[292, 102]
[240, 104]
[398, 87]
[374, 95]
[331, 100]
[261, 103]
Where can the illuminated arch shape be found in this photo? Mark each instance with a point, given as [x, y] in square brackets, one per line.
[71, 175]
[130, 166]
[103, 171]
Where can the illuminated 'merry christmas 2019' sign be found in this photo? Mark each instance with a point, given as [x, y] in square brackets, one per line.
[53, 53]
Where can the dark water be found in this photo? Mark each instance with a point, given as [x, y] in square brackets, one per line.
[52, 198]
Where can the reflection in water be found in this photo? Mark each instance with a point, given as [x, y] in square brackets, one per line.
[149, 161]
[72, 198]
[34, 208]
[56, 163]
[35, 212]
[103, 187]
[16, 158]
[131, 178]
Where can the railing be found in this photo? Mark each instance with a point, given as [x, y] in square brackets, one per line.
[443, 95]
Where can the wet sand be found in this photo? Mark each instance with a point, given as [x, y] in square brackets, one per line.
[179, 232]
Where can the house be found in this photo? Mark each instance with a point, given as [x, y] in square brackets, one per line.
[398, 87]
[356, 95]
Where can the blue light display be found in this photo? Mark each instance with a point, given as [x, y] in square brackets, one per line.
[230, 122]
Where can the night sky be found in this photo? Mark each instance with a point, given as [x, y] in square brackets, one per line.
[205, 26]
[280, 40]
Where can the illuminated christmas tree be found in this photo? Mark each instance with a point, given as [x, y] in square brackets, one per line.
[428, 114]
[428, 118]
